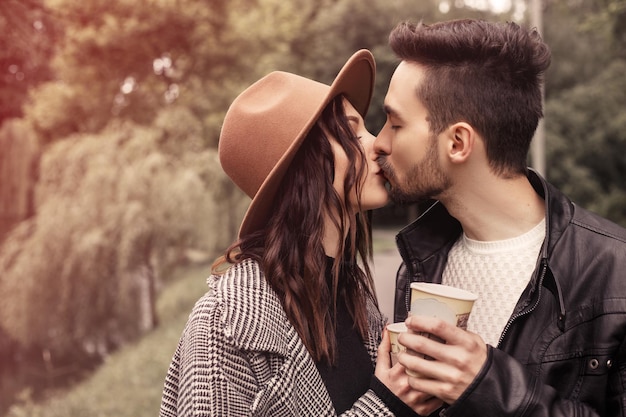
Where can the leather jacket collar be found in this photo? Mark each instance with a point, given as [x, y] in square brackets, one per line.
[425, 243]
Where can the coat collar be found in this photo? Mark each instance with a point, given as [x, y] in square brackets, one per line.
[254, 317]
[252, 313]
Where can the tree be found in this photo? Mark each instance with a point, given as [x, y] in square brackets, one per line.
[586, 141]
[118, 59]
[585, 94]
[19, 158]
[27, 39]
[579, 51]
[127, 184]
[80, 276]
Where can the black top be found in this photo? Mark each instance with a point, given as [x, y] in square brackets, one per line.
[350, 377]
[353, 374]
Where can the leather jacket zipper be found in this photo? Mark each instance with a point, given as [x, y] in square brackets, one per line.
[410, 275]
[407, 296]
[544, 268]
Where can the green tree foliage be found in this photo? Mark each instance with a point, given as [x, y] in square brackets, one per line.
[608, 17]
[18, 166]
[585, 95]
[107, 46]
[123, 59]
[130, 179]
[113, 208]
[27, 36]
[586, 139]
[578, 54]
[336, 29]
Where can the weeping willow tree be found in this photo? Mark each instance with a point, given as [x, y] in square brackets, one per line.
[129, 176]
[18, 169]
[114, 209]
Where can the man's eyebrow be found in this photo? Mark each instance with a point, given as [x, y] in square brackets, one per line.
[390, 111]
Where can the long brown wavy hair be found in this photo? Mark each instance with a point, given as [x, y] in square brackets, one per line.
[289, 249]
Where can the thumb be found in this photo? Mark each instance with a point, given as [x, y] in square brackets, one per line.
[383, 360]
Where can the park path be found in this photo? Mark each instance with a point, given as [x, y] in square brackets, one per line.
[384, 268]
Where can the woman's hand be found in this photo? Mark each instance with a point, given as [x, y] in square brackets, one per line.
[397, 381]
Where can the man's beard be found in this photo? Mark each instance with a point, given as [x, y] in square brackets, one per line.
[424, 181]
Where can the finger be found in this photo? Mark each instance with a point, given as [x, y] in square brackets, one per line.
[436, 327]
[415, 363]
[445, 380]
[464, 353]
[424, 344]
[434, 360]
[383, 361]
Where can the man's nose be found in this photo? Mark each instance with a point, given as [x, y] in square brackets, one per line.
[382, 144]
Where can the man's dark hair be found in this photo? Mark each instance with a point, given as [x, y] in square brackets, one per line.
[484, 73]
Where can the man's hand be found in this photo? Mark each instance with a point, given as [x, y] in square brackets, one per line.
[396, 379]
[456, 363]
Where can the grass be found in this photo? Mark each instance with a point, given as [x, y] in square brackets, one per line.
[130, 382]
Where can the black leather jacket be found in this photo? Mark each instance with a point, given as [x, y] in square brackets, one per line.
[563, 351]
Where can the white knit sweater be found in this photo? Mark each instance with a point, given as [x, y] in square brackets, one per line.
[498, 272]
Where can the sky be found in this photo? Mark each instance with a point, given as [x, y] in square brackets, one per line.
[497, 6]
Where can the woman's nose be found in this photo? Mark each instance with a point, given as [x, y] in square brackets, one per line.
[382, 145]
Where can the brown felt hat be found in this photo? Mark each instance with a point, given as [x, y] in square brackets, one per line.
[266, 124]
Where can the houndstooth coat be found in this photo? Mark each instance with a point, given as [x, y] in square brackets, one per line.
[240, 356]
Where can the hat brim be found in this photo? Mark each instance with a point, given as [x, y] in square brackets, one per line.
[355, 81]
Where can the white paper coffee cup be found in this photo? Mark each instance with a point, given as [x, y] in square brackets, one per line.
[450, 304]
[394, 331]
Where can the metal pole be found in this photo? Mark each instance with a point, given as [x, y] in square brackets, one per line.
[538, 147]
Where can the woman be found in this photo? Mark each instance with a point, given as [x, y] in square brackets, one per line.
[291, 326]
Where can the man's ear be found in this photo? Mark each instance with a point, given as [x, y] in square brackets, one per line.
[461, 142]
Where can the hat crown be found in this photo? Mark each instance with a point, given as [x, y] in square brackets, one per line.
[263, 123]
[266, 124]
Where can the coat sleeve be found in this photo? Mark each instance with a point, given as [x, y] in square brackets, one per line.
[199, 382]
[504, 387]
[367, 406]
[209, 376]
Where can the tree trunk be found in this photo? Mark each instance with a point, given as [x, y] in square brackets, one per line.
[19, 159]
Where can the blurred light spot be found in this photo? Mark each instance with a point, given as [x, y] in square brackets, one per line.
[172, 93]
[495, 6]
[519, 11]
[162, 65]
[128, 86]
[38, 25]
[444, 7]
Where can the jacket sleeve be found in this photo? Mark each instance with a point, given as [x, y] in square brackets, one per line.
[504, 387]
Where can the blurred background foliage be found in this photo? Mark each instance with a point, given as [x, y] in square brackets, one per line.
[110, 112]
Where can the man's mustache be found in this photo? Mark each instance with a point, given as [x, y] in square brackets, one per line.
[384, 165]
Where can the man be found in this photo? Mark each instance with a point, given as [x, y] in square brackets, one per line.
[547, 336]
